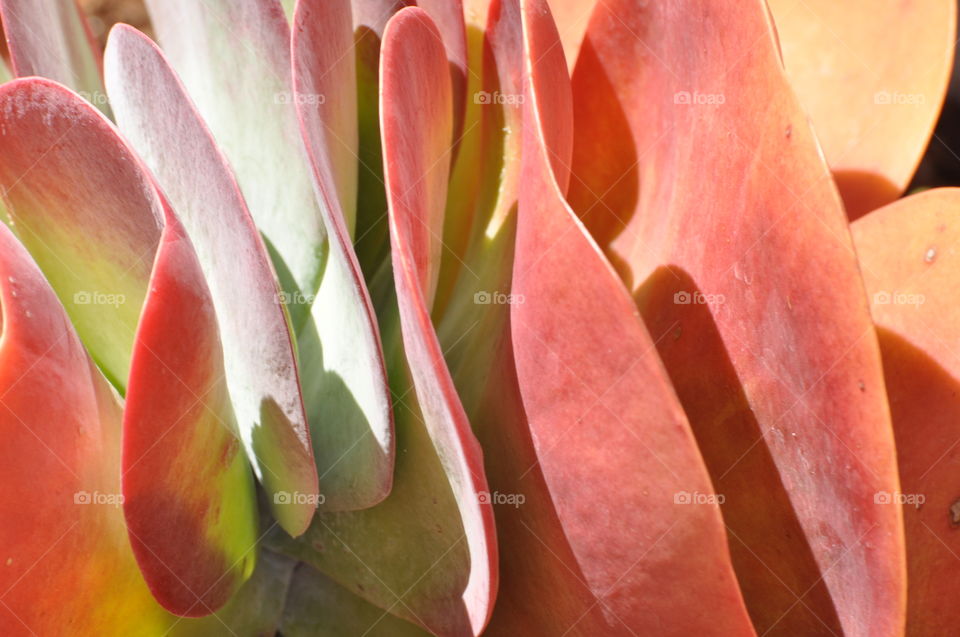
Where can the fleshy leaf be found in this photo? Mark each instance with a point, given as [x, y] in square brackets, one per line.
[447, 15]
[599, 410]
[417, 141]
[908, 254]
[319, 607]
[324, 83]
[188, 493]
[872, 74]
[161, 123]
[76, 192]
[438, 570]
[63, 526]
[370, 17]
[68, 198]
[234, 59]
[51, 38]
[695, 168]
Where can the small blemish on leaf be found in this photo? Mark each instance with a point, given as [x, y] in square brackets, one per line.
[677, 332]
[955, 513]
[861, 385]
[789, 131]
[9, 561]
[930, 255]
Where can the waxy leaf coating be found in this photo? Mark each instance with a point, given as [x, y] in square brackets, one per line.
[597, 409]
[140, 298]
[438, 569]
[696, 170]
[51, 38]
[159, 120]
[234, 60]
[417, 128]
[909, 258]
[872, 75]
[64, 542]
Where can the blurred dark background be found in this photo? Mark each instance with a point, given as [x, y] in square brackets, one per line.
[103, 14]
[941, 162]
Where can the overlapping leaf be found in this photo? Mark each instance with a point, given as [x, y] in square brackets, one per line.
[908, 254]
[111, 247]
[696, 170]
[234, 59]
[597, 409]
[51, 38]
[260, 362]
[417, 139]
[65, 546]
[872, 75]
[438, 569]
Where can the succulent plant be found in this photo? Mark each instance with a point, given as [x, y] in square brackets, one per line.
[463, 317]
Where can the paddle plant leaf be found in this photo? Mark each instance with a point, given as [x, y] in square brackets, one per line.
[72, 187]
[235, 62]
[417, 140]
[597, 408]
[62, 504]
[51, 38]
[439, 569]
[908, 254]
[188, 491]
[696, 170]
[158, 119]
[872, 75]
[69, 198]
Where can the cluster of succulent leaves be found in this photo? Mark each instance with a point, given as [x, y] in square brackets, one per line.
[513, 317]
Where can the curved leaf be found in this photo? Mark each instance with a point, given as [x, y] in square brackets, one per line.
[68, 197]
[872, 75]
[600, 411]
[63, 524]
[188, 494]
[447, 16]
[158, 119]
[234, 59]
[417, 141]
[324, 83]
[51, 38]
[92, 214]
[908, 254]
[370, 17]
[696, 170]
[438, 567]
